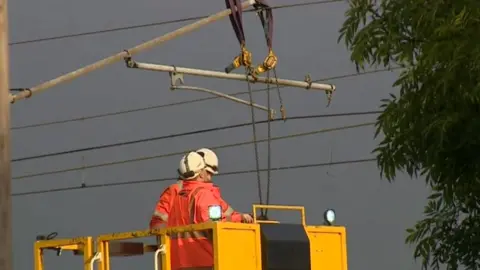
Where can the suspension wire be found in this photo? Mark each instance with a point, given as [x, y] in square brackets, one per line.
[244, 59]
[173, 178]
[284, 117]
[144, 158]
[189, 133]
[267, 25]
[269, 136]
[152, 24]
[282, 108]
[255, 143]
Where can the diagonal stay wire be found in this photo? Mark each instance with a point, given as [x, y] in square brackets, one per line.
[173, 178]
[117, 29]
[325, 130]
[349, 75]
[195, 132]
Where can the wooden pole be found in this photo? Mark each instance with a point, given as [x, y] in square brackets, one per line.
[6, 252]
[121, 55]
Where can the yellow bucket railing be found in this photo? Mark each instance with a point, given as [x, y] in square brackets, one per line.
[79, 245]
[327, 244]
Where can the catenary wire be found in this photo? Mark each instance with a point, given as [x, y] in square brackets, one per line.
[117, 29]
[125, 161]
[85, 186]
[195, 132]
[186, 102]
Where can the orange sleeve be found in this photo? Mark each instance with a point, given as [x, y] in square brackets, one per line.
[162, 208]
[229, 212]
[205, 199]
[223, 204]
[236, 217]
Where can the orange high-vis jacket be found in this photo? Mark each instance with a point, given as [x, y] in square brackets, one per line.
[190, 206]
[162, 208]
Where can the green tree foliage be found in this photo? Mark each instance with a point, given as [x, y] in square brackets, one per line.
[432, 128]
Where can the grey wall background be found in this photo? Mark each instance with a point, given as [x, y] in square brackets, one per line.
[375, 212]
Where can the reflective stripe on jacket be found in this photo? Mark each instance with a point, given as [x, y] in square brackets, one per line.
[192, 249]
[162, 209]
[228, 211]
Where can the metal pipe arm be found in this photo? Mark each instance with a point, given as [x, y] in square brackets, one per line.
[232, 76]
[121, 55]
[238, 100]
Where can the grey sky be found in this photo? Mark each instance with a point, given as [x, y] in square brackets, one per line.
[376, 213]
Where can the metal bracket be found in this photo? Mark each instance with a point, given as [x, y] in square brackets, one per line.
[175, 78]
[328, 92]
[128, 60]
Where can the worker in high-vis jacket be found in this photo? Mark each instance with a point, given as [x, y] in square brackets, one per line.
[191, 206]
[162, 208]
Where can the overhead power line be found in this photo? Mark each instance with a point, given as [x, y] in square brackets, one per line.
[117, 29]
[350, 75]
[325, 130]
[195, 132]
[85, 186]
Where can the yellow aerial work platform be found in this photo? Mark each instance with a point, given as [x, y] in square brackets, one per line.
[262, 245]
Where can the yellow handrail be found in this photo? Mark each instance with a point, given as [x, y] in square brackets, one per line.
[82, 244]
[278, 207]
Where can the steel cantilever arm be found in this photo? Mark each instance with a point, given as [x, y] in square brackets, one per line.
[216, 93]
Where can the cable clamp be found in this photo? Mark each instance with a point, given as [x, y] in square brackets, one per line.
[128, 60]
[175, 78]
[329, 94]
[284, 113]
[12, 97]
[308, 80]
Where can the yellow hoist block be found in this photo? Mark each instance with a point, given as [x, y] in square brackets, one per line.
[269, 63]
[243, 59]
[262, 245]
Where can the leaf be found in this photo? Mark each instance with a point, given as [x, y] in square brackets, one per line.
[434, 196]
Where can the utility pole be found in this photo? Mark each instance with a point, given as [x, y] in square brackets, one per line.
[5, 174]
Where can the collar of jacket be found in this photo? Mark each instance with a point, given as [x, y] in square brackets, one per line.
[189, 185]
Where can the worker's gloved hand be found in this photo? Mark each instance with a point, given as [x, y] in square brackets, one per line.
[247, 218]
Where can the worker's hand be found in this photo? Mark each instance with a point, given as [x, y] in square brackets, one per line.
[247, 218]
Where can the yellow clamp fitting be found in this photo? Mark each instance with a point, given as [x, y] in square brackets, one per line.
[284, 113]
[246, 57]
[269, 63]
[243, 59]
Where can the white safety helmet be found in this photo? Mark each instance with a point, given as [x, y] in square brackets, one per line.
[211, 159]
[191, 165]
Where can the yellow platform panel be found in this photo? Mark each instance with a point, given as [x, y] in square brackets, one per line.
[235, 245]
[328, 247]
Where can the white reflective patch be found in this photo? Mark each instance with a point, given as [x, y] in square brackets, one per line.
[162, 216]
